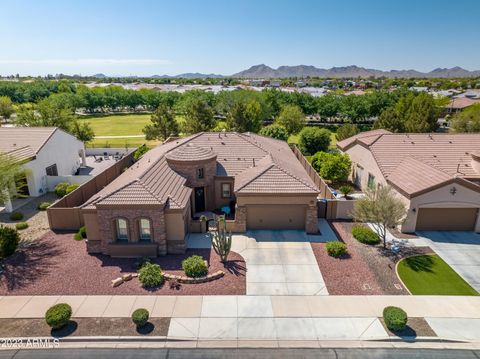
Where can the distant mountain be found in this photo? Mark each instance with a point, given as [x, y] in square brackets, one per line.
[100, 76]
[264, 71]
[188, 75]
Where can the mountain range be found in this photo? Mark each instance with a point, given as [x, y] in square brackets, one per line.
[264, 71]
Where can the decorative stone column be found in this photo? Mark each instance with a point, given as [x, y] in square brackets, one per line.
[311, 225]
[240, 218]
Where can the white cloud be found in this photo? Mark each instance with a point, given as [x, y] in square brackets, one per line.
[87, 62]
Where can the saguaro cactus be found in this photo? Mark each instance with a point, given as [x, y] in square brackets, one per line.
[221, 240]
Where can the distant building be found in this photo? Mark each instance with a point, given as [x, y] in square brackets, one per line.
[458, 104]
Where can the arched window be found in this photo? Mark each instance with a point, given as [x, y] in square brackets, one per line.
[122, 230]
[144, 230]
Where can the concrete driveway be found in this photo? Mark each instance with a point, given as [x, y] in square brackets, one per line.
[279, 262]
[461, 250]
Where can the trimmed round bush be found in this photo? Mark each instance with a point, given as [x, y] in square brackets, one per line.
[9, 239]
[16, 216]
[43, 206]
[336, 249]
[194, 267]
[71, 188]
[275, 131]
[58, 316]
[365, 235]
[313, 139]
[21, 225]
[140, 317]
[61, 189]
[150, 275]
[395, 318]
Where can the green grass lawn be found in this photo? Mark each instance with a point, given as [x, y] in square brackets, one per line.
[120, 125]
[430, 275]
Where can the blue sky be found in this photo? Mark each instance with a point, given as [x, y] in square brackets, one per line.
[146, 37]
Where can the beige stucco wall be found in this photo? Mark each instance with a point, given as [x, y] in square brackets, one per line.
[219, 200]
[442, 198]
[362, 156]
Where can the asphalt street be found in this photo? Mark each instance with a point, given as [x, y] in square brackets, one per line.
[241, 354]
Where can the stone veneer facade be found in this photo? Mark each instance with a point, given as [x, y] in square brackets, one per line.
[107, 231]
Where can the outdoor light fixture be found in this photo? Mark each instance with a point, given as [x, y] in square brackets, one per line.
[453, 190]
[414, 210]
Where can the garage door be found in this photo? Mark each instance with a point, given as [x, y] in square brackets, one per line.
[276, 216]
[446, 219]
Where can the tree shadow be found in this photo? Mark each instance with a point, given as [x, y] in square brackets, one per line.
[407, 334]
[235, 267]
[65, 331]
[420, 263]
[30, 262]
[146, 329]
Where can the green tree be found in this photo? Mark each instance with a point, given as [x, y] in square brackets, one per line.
[198, 116]
[163, 124]
[347, 130]
[82, 130]
[275, 131]
[382, 208]
[313, 139]
[468, 120]
[390, 120]
[6, 107]
[334, 167]
[422, 115]
[10, 169]
[292, 118]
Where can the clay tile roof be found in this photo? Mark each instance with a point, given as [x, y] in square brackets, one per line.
[461, 103]
[413, 176]
[190, 152]
[258, 164]
[366, 138]
[23, 143]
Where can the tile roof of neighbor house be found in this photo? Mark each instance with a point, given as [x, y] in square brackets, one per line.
[259, 165]
[366, 138]
[414, 162]
[23, 143]
[461, 103]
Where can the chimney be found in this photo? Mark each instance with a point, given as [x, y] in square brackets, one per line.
[476, 161]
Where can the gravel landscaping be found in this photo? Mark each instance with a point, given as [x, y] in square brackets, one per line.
[416, 327]
[56, 264]
[11, 328]
[367, 270]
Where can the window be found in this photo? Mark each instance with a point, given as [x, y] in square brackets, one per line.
[144, 229]
[122, 230]
[371, 181]
[200, 173]
[52, 170]
[226, 190]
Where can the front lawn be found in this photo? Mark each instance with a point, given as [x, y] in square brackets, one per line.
[430, 275]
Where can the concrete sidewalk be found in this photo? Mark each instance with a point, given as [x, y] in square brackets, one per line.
[274, 318]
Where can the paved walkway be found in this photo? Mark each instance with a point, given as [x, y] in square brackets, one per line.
[461, 250]
[278, 262]
[267, 317]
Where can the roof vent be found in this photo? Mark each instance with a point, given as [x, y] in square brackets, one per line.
[223, 143]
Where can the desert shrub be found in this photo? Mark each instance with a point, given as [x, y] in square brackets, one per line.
[9, 239]
[58, 316]
[81, 234]
[16, 216]
[43, 206]
[194, 267]
[71, 188]
[140, 317]
[21, 225]
[61, 189]
[336, 249]
[346, 190]
[275, 131]
[150, 275]
[395, 318]
[365, 235]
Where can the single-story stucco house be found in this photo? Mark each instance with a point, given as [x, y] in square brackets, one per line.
[151, 207]
[436, 175]
[43, 151]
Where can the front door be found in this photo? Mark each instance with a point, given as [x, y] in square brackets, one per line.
[199, 199]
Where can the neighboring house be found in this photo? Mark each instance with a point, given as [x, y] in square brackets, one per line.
[458, 104]
[437, 176]
[44, 151]
[151, 207]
